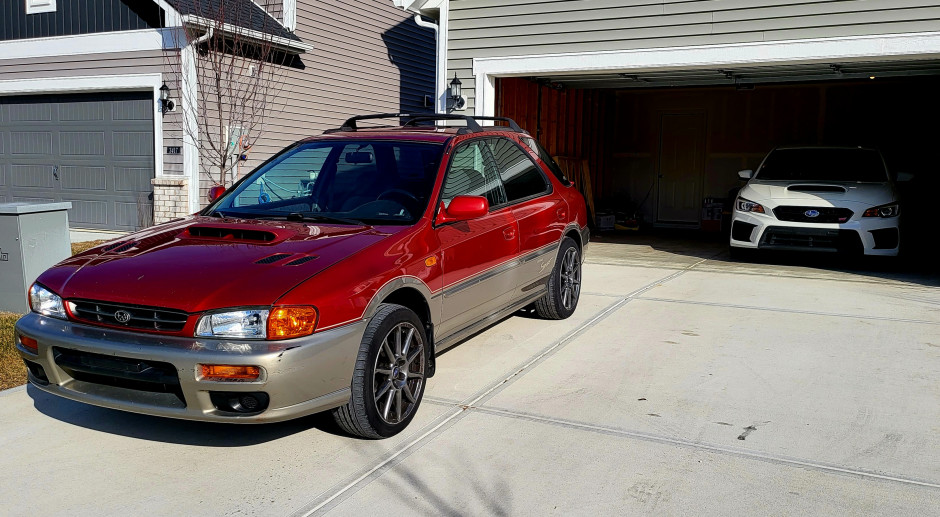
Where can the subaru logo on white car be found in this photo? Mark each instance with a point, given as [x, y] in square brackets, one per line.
[811, 213]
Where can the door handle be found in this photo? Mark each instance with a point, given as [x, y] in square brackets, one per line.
[509, 233]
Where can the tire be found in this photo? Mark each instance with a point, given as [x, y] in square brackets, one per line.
[389, 379]
[564, 286]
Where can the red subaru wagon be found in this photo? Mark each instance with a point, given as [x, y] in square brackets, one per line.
[326, 279]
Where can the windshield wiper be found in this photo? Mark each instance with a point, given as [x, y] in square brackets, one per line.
[317, 216]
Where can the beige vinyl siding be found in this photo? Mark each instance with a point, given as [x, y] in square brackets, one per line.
[117, 63]
[368, 57]
[493, 28]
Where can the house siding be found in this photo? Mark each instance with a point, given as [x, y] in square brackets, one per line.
[73, 17]
[368, 57]
[492, 28]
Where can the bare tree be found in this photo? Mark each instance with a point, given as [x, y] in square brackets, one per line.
[228, 68]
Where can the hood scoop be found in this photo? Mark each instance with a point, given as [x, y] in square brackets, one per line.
[119, 247]
[270, 259]
[230, 234]
[817, 188]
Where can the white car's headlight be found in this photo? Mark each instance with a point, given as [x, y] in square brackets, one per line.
[46, 302]
[889, 210]
[746, 205]
[243, 324]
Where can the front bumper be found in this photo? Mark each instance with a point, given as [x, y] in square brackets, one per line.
[300, 376]
[869, 235]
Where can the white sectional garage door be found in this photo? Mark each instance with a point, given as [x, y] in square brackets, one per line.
[95, 150]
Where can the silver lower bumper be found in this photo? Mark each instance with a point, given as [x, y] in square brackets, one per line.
[300, 376]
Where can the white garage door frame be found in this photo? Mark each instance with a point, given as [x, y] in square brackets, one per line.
[887, 47]
[98, 83]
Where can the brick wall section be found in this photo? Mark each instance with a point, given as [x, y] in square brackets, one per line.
[170, 198]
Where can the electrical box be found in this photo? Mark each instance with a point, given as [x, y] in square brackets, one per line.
[33, 238]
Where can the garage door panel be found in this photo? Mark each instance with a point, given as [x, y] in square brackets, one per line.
[39, 176]
[132, 110]
[30, 112]
[132, 143]
[31, 142]
[127, 214]
[28, 199]
[82, 112]
[132, 179]
[81, 143]
[89, 212]
[84, 177]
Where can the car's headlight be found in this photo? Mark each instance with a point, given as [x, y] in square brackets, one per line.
[262, 323]
[745, 205]
[46, 302]
[889, 210]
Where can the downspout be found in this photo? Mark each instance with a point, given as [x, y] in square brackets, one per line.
[438, 68]
[190, 83]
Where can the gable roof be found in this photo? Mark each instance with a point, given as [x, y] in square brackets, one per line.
[240, 13]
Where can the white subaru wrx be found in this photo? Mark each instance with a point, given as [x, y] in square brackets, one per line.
[818, 199]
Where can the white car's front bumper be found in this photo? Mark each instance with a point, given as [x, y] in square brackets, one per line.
[870, 235]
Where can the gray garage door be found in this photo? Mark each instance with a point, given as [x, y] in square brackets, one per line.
[95, 150]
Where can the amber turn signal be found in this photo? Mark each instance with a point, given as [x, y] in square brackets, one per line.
[290, 322]
[28, 343]
[229, 372]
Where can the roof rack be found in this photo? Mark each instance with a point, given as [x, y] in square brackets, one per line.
[412, 120]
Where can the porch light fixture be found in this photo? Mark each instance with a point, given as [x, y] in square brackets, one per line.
[166, 103]
[455, 94]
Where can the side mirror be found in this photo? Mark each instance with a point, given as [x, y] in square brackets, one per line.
[463, 208]
[746, 174]
[905, 176]
[215, 192]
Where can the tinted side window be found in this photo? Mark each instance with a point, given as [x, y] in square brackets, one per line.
[522, 178]
[545, 157]
[473, 172]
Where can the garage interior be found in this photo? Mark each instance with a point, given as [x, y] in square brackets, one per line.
[662, 149]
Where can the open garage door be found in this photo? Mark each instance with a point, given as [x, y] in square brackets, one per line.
[669, 144]
[94, 150]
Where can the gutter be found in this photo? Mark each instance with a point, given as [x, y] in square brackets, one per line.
[438, 66]
[278, 42]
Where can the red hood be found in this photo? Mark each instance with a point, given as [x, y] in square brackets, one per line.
[203, 263]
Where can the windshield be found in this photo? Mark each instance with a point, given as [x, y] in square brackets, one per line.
[347, 181]
[863, 165]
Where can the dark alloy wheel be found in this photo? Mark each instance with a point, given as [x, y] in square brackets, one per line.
[564, 286]
[388, 382]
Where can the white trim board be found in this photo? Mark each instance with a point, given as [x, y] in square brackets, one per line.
[96, 43]
[85, 84]
[922, 45]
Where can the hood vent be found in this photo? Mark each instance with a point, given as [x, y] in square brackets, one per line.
[270, 259]
[301, 260]
[119, 247]
[817, 188]
[230, 234]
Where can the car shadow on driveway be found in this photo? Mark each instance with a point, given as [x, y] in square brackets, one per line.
[169, 430]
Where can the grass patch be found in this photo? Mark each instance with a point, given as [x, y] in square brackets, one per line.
[12, 369]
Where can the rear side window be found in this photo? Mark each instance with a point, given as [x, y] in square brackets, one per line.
[522, 178]
[473, 172]
[547, 158]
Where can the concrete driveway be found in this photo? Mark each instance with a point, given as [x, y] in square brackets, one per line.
[684, 384]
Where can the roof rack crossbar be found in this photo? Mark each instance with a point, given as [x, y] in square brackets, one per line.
[473, 126]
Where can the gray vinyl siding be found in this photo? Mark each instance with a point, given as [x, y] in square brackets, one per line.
[368, 57]
[492, 28]
[73, 17]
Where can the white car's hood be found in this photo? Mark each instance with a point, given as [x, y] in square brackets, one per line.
[819, 193]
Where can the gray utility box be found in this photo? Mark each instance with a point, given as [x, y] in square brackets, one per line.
[33, 238]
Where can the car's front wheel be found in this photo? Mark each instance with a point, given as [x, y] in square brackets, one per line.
[388, 382]
[564, 286]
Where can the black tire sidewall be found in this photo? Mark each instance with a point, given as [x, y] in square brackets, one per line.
[566, 244]
[382, 328]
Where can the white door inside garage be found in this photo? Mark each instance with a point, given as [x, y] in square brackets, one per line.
[94, 150]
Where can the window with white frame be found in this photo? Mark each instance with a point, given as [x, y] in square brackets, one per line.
[40, 6]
